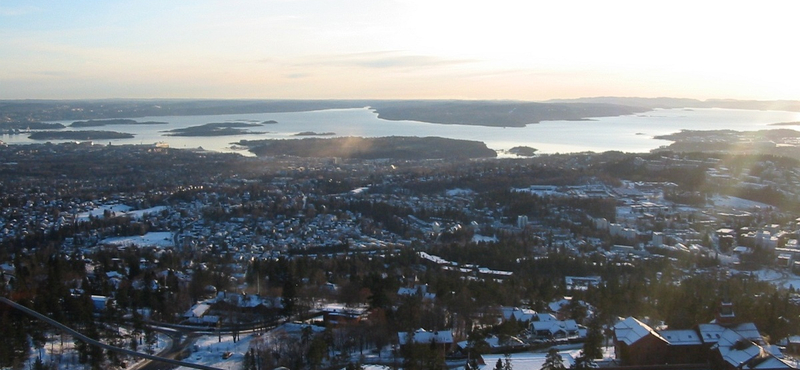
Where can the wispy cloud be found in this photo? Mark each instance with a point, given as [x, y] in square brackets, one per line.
[383, 60]
[296, 75]
[11, 11]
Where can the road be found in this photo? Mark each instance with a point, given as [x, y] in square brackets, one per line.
[179, 345]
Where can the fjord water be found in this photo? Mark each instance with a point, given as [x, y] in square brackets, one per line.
[632, 133]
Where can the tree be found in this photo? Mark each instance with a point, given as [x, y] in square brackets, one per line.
[583, 361]
[507, 362]
[498, 365]
[594, 340]
[289, 297]
[316, 351]
[355, 366]
[553, 361]
[472, 364]
[249, 360]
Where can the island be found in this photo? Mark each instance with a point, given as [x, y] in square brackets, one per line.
[312, 133]
[523, 151]
[793, 123]
[216, 129]
[394, 147]
[79, 135]
[496, 113]
[106, 122]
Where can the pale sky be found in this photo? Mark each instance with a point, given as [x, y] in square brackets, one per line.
[387, 49]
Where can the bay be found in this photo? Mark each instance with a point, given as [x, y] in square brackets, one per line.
[632, 133]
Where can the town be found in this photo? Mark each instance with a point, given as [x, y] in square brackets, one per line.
[650, 259]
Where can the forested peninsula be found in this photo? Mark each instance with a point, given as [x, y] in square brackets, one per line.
[397, 147]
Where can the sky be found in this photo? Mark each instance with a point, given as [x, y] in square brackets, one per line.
[398, 49]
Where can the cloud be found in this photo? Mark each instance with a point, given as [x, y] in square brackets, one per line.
[384, 60]
[296, 75]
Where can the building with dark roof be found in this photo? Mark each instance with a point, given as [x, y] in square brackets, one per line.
[722, 344]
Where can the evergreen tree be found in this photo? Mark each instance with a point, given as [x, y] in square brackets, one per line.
[289, 296]
[583, 361]
[39, 364]
[594, 340]
[553, 361]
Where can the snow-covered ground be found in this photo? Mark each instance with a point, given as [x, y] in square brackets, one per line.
[208, 350]
[118, 210]
[477, 238]
[783, 279]
[139, 213]
[529, 360]
[725, 201]
[458, 191]
[59, 351]
[162, 239]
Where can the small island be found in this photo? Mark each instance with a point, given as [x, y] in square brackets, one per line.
[216, 129]
[793, 123]
[79, 135]
[393, 147]
[312, 133]
[523, 151]
[269, 122]
[106, 122]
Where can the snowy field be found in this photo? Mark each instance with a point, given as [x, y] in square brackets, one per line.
[161, 239]
[118, 210]
[724, 201]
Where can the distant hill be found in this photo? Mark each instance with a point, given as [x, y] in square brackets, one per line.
[502, 113]
[785, 105]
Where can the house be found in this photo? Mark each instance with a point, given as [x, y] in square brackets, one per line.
[518, 314]
[198, 315]
[504, 344]
[342, 316]
[723, 344]
[582, 282]
[636, 344]
[100, 303]
[555, 329]
[442, 340]
[683, 346]
[733, 351]
[418, 290]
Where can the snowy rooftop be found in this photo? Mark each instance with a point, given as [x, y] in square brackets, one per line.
[630, 330]
[735, 349]
[424, 336]
[681, 337]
